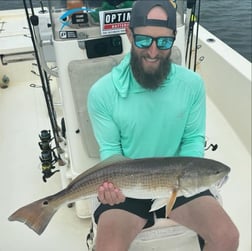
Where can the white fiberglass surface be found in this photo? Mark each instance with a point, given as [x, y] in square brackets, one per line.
[23, 115]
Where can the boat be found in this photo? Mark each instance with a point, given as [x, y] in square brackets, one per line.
[45, 135]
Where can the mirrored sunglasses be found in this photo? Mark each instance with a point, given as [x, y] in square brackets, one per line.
[145, 41]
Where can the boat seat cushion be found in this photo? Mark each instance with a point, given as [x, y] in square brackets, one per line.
[83, 74]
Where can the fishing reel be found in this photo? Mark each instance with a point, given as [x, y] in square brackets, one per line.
[48, 157]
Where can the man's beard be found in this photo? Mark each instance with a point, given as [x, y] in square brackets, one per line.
[152, 79]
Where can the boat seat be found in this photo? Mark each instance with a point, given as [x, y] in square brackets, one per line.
[165, 233]
[83, 74]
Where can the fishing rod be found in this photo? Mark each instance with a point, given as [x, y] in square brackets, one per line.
[191, 12]
[47, 166]
[191, 6]
[197, 36]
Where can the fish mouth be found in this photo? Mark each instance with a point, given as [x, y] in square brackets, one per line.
[221, 182]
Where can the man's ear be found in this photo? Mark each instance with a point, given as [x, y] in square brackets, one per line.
[129, 34]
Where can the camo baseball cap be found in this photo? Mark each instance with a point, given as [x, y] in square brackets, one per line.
[140, 11]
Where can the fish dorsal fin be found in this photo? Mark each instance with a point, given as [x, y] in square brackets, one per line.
[109, 161]
[113, 159]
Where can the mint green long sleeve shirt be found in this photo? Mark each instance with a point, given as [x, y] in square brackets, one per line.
[136, 122]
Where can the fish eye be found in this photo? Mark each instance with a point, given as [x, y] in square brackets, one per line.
[45, 202]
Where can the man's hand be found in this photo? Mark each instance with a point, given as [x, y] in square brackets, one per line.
[108, 194]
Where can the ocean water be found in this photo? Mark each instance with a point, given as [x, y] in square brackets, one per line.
[229, 20]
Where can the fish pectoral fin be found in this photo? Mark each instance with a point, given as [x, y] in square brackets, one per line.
[171, 202]
[168, 202]
[191, 192]
[158, 203]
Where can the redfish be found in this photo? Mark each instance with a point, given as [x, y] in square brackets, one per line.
[160, 179]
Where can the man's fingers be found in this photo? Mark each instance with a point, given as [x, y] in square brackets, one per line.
[108, 194]
[101, 195]
[120, 197]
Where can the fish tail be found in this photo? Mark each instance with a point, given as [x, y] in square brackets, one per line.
[36, 215]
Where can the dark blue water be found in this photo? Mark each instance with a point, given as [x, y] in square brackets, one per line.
[229, 20]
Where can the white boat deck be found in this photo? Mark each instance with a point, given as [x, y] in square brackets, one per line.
[23, 115]
[10, 32]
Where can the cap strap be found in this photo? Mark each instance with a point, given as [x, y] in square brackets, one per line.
[156, 22]
[143, 21]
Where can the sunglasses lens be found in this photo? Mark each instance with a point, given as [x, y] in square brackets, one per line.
[165, 43]
[142, 41]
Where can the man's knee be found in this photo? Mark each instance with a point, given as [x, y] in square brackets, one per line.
[225, 238]
[231, 238]
[117, 229]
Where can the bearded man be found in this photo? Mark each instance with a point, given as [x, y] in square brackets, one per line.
[149, 107]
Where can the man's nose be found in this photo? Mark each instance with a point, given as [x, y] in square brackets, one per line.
[153, 50]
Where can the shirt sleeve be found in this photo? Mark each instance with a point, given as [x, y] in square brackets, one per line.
[193, 139]
[105, 129]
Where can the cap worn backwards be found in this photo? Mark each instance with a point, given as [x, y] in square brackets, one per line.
[140, 11]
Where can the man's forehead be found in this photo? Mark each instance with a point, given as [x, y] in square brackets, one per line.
[157, 12]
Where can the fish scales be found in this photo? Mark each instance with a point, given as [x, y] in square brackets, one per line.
[151, 178]
[128, 175]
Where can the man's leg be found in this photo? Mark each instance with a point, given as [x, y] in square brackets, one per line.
[117, 229]
[206, 217]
